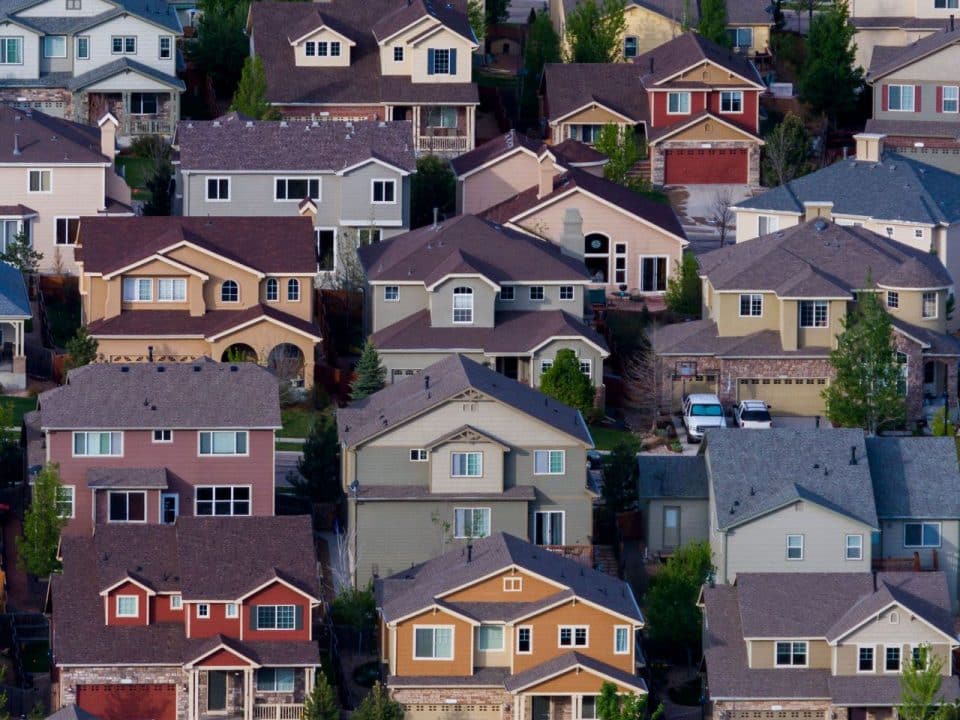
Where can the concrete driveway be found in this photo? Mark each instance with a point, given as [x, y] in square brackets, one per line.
[695, 204]
[798, 422]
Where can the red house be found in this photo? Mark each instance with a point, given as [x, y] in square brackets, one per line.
[147, 443]
[210, 616]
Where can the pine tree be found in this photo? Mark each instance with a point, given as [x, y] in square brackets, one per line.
[251, 95]
[21, 255]
[829, 81]
[81, 348]
[565, 382]
[42, 523]
[371, 376]
[319, 467]
[321, 704]
[378, 705]
[683, 287]
[713, 22]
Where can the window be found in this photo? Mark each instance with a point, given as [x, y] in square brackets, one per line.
[463, 305]
[865, 659]
[620, 264]
[144, 103]
[391, 293]
[813, 313]
[918, 233]
[891, 659]
[163, 436]
[490, 638]
[921, 534]
[585, 133]
[767, 224]
[929, 309]
[128, 506]
[65, 499]
[418, 455]
[731, 101]
[950, 101]
[741, 37]
[137, 289]
[900, 98]
[223, 442]
[466, 464]
[433, 643]
[653, 274]
[230, 291]
[273, 290]
[678, 103]
[54, 46]
[621, 640]
[794, 547]
[524, 640]
[67, 228]
[296, 189]
[945, 4]
[310, 48]
[172, 289]
[11, 51]
[176, 602]
[920, 655]
[893, 299]
[588, 707]
[9, 229]
[276, 617]
[791, 654]
[82, 47]
[442, 117]
[232, 611]
[218, 189]
[398, 53]
[40, 181]
[275, 680]
[203, 610]
[322, 48]
[548, 527]
[545, 365]
[384, 192]
[751, 305]
[854, 547]
[293, 290]
[442, 60]
[507, 293]
[94, 444]
[166, 47]
[128, 606]
[223, 500]
[368, 236]
[566, 292]
[904, 372]
[630, 46]
[513, 584]
[536, 293]
[548, 462]
[123, 45]
[572, 636]
[586, 367]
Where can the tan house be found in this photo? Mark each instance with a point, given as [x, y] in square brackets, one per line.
[773, 307]
[229, 288]
[895, 24]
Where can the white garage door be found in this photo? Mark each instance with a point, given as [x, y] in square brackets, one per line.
[785, 396]
[452, 711]
[775, 714]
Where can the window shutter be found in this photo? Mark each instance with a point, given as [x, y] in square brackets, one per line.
[429, 61]
[453, 61]
[939, 98]
[299, 618]
[885, 102]
[916, 98]
[253, 617]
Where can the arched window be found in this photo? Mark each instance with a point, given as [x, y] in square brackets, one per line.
[597, 257]
[463, 305]
[273, 291]
[230, 291]
[293, 290]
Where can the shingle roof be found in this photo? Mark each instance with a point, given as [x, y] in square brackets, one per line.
[569, 661]
[572, 152]
[14, 301]
[914, 128]
[570, 86]
[701, 337]
[500, 146]
[482, 677]
[72, 712]
[45, 139]
[390, 493]
[112, 396]
[915, 477]
[752, 474]
[906, 23]
[154, 11]
[886, 59]
[674, 56]
[124, 65]
[744, 12]
[932, 343]
[402, 400]
[273, 145]
[667, 476]
[127, 478]
[860, 690]
[897, 188]
[448, 13]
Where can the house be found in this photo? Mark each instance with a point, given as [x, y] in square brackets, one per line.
[673, 500]
[375, 60]
[84, 58]
[499, 296]
[54, 172]
[15, 313]
[831, 644]
[223, 287]
[695, 103]
[651, 23]
[916, 99]
[352, 178]
[504, 629]
[774, 306]
[457, 454]
[895, 24]
[152, 442]
[147, 619]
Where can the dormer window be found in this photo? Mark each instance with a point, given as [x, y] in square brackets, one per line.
[128, 606]
[463, 305]
[229, 291]
[441, 61]
[398, 53]
[310, 48]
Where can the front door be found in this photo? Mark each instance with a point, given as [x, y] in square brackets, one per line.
[671, 527]
[541, 708]
[169, 508]
[508, 366]
[216, 690]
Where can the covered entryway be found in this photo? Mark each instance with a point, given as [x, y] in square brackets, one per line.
[703, 166]
[121, 702]
[785, 396]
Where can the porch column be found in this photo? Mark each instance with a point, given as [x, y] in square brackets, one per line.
[416, 127]
[518, 707]
[248, 689]
[191, 693]
[308, 680]
[126, 112]
[174, 112]
[471, 129]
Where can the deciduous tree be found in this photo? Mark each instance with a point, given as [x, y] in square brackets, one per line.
[42, 523]
[595, 30]
[614, 705]
[672, 613]
[478, 19]
[565, 382]
[920, 696]
[786, 152]
[829, 79]
[623, 152]
[371, 375]
[251, 95]
[683, 295]
[713, 22]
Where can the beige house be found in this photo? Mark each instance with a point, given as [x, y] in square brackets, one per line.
[673, 500]
[895, 24]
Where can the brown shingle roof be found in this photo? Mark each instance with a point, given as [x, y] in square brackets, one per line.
[917, 128]
[573, 152]
[886, 59]
[500, 146]
[701, 337]
[742, 12]
[672, 57]
[46, 139]
[449, 13]
[570, 86]
[569, 661]
[127, 478]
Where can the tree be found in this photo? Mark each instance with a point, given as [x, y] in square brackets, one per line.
[158, 184]
[42, 523]
[620, 476]
[371, 375]
[643, 372]
[565, 382]
[920, 697]
[672, 613]
[866, 389]
[713, 22]
[829, 81]
[21, 255]
[497, 11]
[478, 19]
[378, 705]
[81, 348]
[623, 152]
[11, 454]
[433, 186]
[785, 154]
[722, 214]
[612, 705]
[251, 95]
[222, 45]
[543, 46]
[321, 703]
[318, 476]
[595, 31]
[683, 287]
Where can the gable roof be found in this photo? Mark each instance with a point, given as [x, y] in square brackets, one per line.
[449, 14]
[499, 147]
[45, 140]
[158, 12]
[887, 59]
[668, 476]
[744, 12]
[124, 65]
[403, 400]
[566, 662]
[664, 61]
[752, 474]
[915, 478]
[616, 86]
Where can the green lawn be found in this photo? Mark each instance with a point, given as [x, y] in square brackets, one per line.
[606, 437]
[136, 170]
[298, 420]
[21, 406]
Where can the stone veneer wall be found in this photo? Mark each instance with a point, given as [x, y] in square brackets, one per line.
[13, 96]
[658, 157]
[70, 677]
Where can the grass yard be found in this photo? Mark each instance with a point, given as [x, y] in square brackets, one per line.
[606, 438]
[135, 169]
[21, 406]
[297, 421]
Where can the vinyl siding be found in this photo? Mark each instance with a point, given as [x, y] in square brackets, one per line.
[892, 546]
[499, 182]
[763, 655]
[490, 481]
[694, 521]
[413, 298]
[31, 53]
[441, 303]
[491, 590]
[356, 204]
[848, 656]
[148, 44]
[551, 299]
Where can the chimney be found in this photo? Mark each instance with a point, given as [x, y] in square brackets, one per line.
[108, 135]
[16, 144]
[813, 209]
[571, 241]
[547, 172]
[853, 454]
[869, 146]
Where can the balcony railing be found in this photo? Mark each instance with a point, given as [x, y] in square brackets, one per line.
[292, 711]
[907, 564]
[443, 144]
[148, 126]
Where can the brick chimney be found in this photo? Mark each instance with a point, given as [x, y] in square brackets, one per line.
[571, 241]
[108, 135]
[869, 146]
[813, 209]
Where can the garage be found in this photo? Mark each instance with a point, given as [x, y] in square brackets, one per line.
[785, 396]
[687, 384]
[451, 711]
[775, 714]
[129, 702]
[705, 166]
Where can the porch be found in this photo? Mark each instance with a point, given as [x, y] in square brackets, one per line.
[555, 707]
[247, 693]
[443, 130]
[13, 361]
[139, 113]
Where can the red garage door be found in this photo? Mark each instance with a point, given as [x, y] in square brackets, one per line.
[129, 702]
[702, 166]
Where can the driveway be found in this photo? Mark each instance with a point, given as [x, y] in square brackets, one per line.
[798, 422]
[696, 205]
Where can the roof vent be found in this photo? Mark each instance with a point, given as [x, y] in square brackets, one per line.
[196, 368]
[381, 124]
[216, 123]
[124, 369]
[161, 368]
[233, 368]
[249, 123]
[283, 123]
[820, 225]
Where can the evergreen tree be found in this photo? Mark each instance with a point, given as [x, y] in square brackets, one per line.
[543, 46]
[222, 44]
[829, 81]
[319, 467]
[159, 186]
[497, 11]
[251, 95]
[478, 19]
[42, 523]
[432, 186]
[371, 376]
[21, 255]
[713, 22]
[671, 603]
[683, 295]
[81, 348]
[564, 381]
[620, 476]
[786, 152]
[595, 31]
[321, 703]
[378, 705]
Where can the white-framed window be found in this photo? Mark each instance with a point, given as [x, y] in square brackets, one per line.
[920, 656]
[98, 444]
[127, 506]
[567, 292]
[620, 263]
[171, 290]
[275, 680]
[323, 48]
[276, 617]
[548, 462]
[678, 103]
[176, 602]
[524, 640]
[203, 611]
[229, 291]
[865, 659]
[54, 46]
[123, 45]
[586, 367]
[548, 527]
[853, 547]
[794, 547]
[621, 640]
[293, 290]
[66, 495]
[921, 535]
[573, 636]
[946, 4]
[653, 273]
[334, 48]
[137, 289]
[398, 53]
[891, 658]
[433, 642]
[490, 638]
[223, 442]
[740, 37]
[584, 132]
[441, 116]
[466, 464]
[166, 47]
[163, 436]
[418, 455]
[223, 500]
[310, 48]
[929, 311]
[751, 305]
[731, 101]
[296, 189]
[383, 192]
[471, 522]
[391, 293]
[536, 293]
[545, 364]
[508, 293]
[900, 98]
[767, 224]
[218, 189]
[144, 103]
[40, 181]
[790, 653]
[588, 707]
[128, 606]
[814, 313]
[273, 290]
[893, 299]
[902, 378]
[463, 305]
[232, 611]
[950, 100]
[11, 51]
[513, 583]
[81, 44]
[630, 46]
[441, 61]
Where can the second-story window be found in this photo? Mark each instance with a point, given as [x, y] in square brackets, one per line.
[621, 640]
[310, 48]
[573, 636]
[73, 5]
[921, 535]
[854, 547]
[171, 289]
[40, 181]
[678, 103]
[891, 658]
[137, 289]
[471, 522]
[524, 640]
[98, 444]
[166, 47]
[466, 464]
[383, 192]
[893, 299]
[223, 442]
[741, 37]
[391, 293]
[566, 292]
[65, 501]
[794, 547]
[441, 61]
[418, 455]
[54, 46]
[900, 98]
[218, 189]
[276, 617]
[398, 53]
[507, 293]
[293, 290]
[490, 638]
[82, 47]
[630, 45]
[229, 291]
[513, 583]
[791, 654]
[865, 659]
[203, 610]
[128, 606]
[463, 305]
[123, 45]
[548, 462]
[297, 189]
[232, 611]
[950, 100]
[813, 313]
[731, 101]
[273, 290]
[929, 309]
[163, 436]
[176, 602]
[11, 51]
[128, 506]
[751, 305]
[536, 293]
[433, 643]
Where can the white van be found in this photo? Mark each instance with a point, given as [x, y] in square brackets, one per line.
[702, 411]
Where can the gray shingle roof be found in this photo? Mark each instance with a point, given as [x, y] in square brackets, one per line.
[701, 337]
[932, 343]
[482, 677]
[154, 11]
[755, 473]
[127, 478]
[886, 59]
[72, 712]
[915, 477]
[860, 690]
[124, 65]
[914, 128]
[390, 493]
[670, 58]
[569, 661]
[669, 476]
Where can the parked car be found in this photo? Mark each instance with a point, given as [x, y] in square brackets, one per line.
[753, 415]
[702, 411]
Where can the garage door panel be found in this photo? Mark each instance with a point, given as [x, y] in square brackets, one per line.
[129, 702]
[785, 396]
[696, 166]
[451, 711]
[705, 383]
[775, 714]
